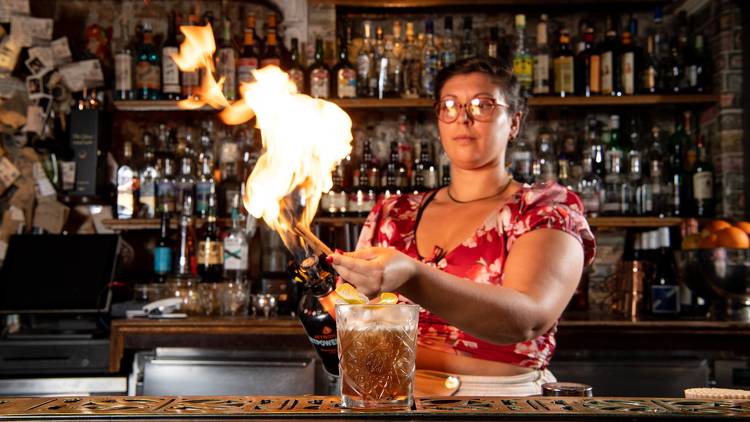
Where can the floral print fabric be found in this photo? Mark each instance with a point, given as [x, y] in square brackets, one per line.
[481, 258]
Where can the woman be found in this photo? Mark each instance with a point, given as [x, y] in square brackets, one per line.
[492, 262]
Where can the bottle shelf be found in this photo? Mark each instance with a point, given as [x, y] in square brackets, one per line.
[427, 103]
[596, 222]
[443, 3]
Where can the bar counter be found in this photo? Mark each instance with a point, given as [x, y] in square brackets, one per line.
[579, 331]
[315, 408]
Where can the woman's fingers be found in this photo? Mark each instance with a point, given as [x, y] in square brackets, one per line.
[356, 264]
[366, 254]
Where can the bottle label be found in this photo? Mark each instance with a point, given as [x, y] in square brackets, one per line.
[692, 75]
[270, 61]
[338, 202]
[522, 68]
[649, 78]
[541, 74]
[147, 75]
[245, 67]
[298, 77]
[229, 195]
[162, 260]
[347, 83]
[319, 83]
[227, 68]
[595, 77]
[703, 185]
[202, 194]
[429, 73]
[628, 73]
[123, 72]
[607, 73]
[665, 299]
[170, 73]
[147, 198]
[430, 178]
[564, 74]
[209, 252]
[363, 67]
[165, 192]
[235, 254]
[230, 153]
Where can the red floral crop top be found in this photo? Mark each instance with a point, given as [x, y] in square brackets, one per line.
[481, 258]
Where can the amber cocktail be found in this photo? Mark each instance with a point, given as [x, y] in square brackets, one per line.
[377, 353]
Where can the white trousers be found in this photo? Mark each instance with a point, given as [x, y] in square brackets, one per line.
[436, 383]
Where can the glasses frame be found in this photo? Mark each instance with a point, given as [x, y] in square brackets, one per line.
[467, 110]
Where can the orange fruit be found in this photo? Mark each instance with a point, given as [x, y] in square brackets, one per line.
[385, 299]
[350, 294]
[714, 227]
[744, 225]
[709, 241]
[691, 241]
[733, 237]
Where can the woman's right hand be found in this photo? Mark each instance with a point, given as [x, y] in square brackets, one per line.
[375, 270]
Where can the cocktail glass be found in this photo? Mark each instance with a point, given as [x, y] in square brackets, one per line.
[377, 354]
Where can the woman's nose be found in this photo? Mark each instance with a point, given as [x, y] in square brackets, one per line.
[464, 117]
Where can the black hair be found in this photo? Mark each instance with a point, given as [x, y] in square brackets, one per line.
[500, 72]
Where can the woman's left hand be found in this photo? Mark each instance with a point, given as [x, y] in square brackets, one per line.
[375, 270]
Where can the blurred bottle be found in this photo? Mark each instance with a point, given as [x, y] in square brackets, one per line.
[522, 61]
[127, 183]
[564, 69]
[236, 247]
[412, 65]
[296, 70]
[124, 65]
[148, 68]
[166, 190]
[249, 57]
[148, 177]
[587, 69]
[318, 75]
[365, 86]
[210, 254]
[429, 62]
[664, 298]
[344, 73]
[703, 183]
[190, 80]
[170, 73]
[185, 258]
[448, 51]
[521, 157]
[272, 55]
[163, 251]
[541, 71]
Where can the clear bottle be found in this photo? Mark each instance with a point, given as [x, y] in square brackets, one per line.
[205, 187]
[380, 65]
[660, 185]
[448, 48]
[412, 65]
[545, 164]
[124, 66]
[344, 72]
[163, 251]
[148, 68]
[590, 188]
[318, 75]
[147, 181]
[429, 62]
[678, 144]
[185, 185]
[616, 189]
[236, 247]
[365, 65]
[127, 183]
[170, 73]
[522, 61]
[185, 259]
[394, 49]
[521, 158]
[541, 84]
[166, 189]
[635, 169]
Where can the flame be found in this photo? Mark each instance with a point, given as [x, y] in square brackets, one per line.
[303, 138]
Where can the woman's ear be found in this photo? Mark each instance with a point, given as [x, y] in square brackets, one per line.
[515, 124]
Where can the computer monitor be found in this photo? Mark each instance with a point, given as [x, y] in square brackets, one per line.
[54, 274]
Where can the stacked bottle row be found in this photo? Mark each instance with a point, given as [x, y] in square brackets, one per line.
[174, 168]
[623, 171]
[404, 63]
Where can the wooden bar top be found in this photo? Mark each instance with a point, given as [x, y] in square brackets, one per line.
[327, 408]
[581, 331]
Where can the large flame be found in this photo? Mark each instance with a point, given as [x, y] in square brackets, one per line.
[303, 138]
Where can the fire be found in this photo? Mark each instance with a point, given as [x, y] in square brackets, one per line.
[303, 138]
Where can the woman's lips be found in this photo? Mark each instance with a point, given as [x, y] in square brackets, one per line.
[464, 138]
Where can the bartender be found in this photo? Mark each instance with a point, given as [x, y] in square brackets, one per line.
[492, 262]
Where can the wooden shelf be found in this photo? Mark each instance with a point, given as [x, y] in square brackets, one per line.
[615, 222]
[134, 224]
[427, 103]
[445, 3]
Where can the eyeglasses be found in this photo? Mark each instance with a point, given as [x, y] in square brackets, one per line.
[479, 109]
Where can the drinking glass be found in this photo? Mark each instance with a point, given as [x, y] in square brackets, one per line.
[377, 355]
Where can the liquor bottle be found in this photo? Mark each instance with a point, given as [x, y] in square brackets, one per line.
[616, 189]
[272, 55]
[166, 190]
[567, 161]
[664, 297]
[170, 73]
[344, 72]
[657, 175]
[127, 183]
[610, 68]
[318, 75]
[226, 62]
[227, 188]
[316, 309]
[363, 195]
[163, 251]
[697, 67]
[365, 87]
[333, 202]
[147, 181]
[563, 66]
[236, 247]
[427, 167]
[703, 183]
[651, 67]
[185, 259]
[124, 66]
[430, 61]
[635, 169]
[544, 166]
[412, 65]
[680, 200]
[249, 58]
[597, 148]
[493, 43]
[397, 167]
[522, 61]
[147, 68]
[210, 249]
[190, 80]
[628, 64]
[296, 71]
[380, 65]
[185, 185]
[521, 160]
[674, 68]
[468, 45]
[590, 188]
[205, 187]
[587, 67]
[394, 52]
[613, 142]
[448, 48]
[541, 71]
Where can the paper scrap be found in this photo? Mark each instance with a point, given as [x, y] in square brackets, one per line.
[44, 54]
[83, 74]
[13, 7]
[28, 31]
[61, 51]
[50, 215]
[34, 119]
[8, 173]
[9, 51]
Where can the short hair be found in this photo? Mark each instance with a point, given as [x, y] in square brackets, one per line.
[499, 72]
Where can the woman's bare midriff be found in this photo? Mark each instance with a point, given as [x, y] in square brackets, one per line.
[464, 365]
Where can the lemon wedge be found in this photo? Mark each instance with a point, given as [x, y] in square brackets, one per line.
[386, 298]
[350, 294]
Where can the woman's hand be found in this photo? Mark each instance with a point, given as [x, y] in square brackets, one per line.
[375, 270]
